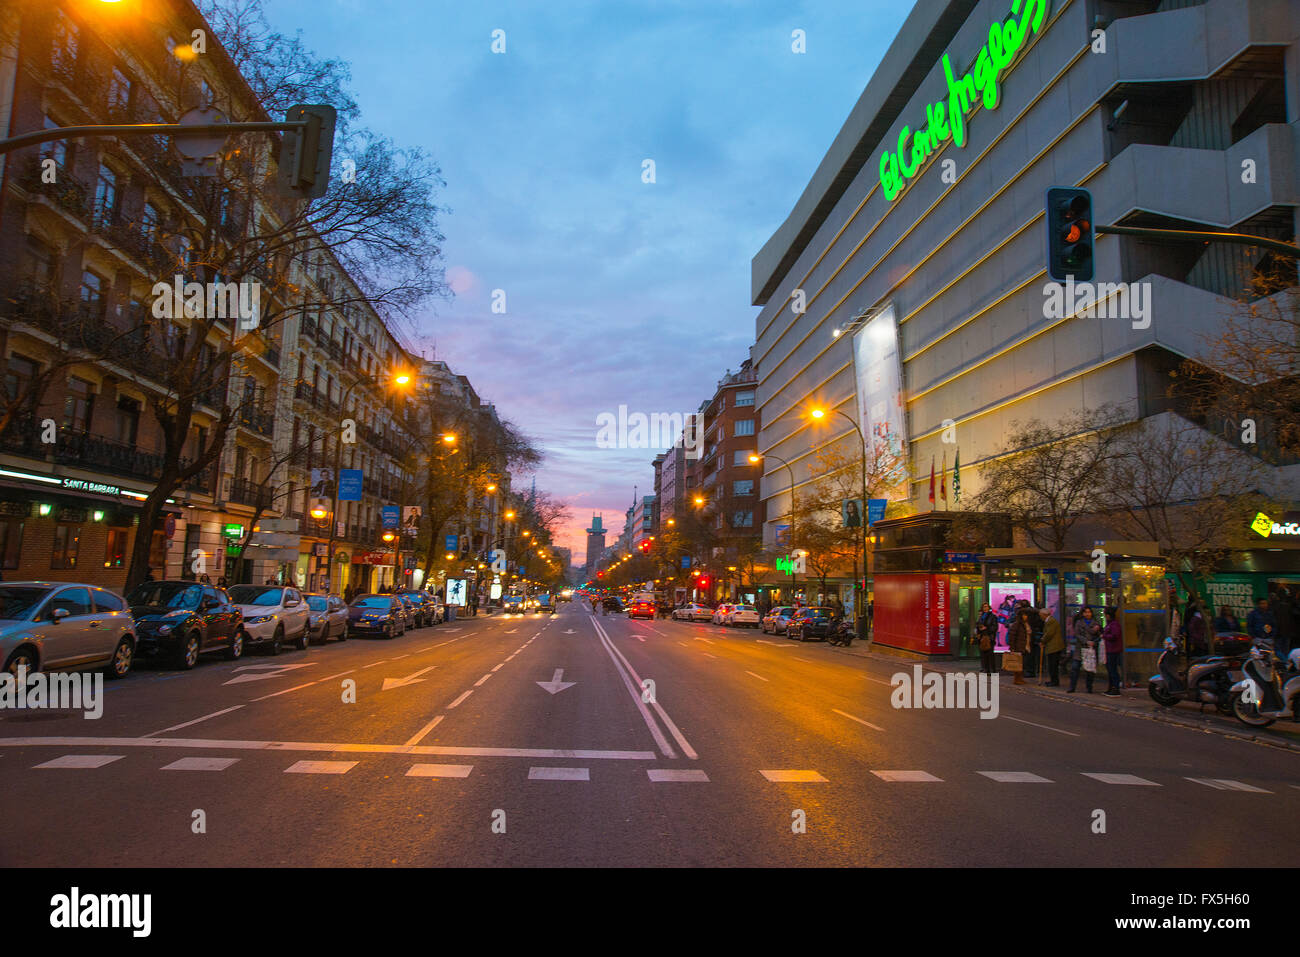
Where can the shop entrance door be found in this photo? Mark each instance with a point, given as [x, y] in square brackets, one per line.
[969, 599]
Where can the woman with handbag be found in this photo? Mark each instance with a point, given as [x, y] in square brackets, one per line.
[1018, 640]
[1083, 648]
[986, 630]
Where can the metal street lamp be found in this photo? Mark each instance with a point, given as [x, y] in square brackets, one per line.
[756, 458]
[859, 605]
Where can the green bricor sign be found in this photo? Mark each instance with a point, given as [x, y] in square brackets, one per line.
[947, 121]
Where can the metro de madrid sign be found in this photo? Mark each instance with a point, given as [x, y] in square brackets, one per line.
[982, 87]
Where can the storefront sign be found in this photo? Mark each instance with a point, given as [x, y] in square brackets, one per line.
[98, 488]
[233, 531]
[1265, 526]
[982, 87]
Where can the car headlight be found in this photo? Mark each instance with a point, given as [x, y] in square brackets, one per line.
[259, 619]
[164, 629]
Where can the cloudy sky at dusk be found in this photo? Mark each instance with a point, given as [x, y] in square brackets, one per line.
[617, 291]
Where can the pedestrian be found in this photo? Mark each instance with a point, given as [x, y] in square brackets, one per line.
[1082, 648]
[1227, 621]
[1261, 625]
[1175, 618]
[986, 630]
[148, 574]
[1284, 619]
[205, 580]
[1018, 640]
[1053, 645]
[1035, 638]
[1113, 637]
[1198, 629]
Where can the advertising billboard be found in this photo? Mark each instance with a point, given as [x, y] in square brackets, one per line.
[457, 592]
[1004, 597]
[878, 376]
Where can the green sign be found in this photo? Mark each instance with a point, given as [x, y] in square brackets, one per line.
[947, 121]
[785, 564]
[233, 531]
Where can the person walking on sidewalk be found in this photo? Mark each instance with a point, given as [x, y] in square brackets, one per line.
[1032, 653]
[1113, 636]
[1053, 645]
[986, 632]
[1018, 638]
[1083, 641]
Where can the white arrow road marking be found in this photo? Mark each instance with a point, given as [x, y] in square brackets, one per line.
[555, 685]
[409, 679]
[570, 632]
[272, 671]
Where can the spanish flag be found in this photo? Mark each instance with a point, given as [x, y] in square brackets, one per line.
[932, 481]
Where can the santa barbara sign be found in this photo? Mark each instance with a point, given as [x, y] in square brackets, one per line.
[980, 87]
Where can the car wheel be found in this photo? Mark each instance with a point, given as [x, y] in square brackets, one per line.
[189, 653]
[236, 649]
[304, 639]
[277, 640]
[24, 657]
[343, 635]
[119, 666]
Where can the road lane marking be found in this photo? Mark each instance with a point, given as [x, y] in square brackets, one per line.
[707, 655]
[1045, 727]
[483, 679]
[416, 738]
[82, 761]
[1225, 784]
[400, 657]
[906, 776]
[707, 641]
[341, 747]
[774, 644]
[177, 727]
[794, 777]
[375, 664]
[759, 677]
[285, 691]
[1014, 777]
[461, 698]
[559, 774]
[874, 727]
[440, 770]
[1131, 779]
[339, 675]
[199, 764]
[320, 767]
[499, 667]
[663, 715]
[676, 774]
[441, 643]
[623, 674]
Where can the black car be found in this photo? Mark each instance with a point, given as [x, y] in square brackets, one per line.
[614, 604]
[812, 623]
[180, 620]
[381, 615]
[426, 609]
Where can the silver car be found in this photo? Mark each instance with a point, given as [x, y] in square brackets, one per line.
[328, 618]
[64, 626]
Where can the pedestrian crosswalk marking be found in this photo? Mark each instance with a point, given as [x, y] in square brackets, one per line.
[320, 767]
[440, 770]
[82, 761]
[1014, 777]
[200, 764]
[906, 776]
[794, 777]
[1120, 779]
[1225, 784]
[676, 774]
[559, 774]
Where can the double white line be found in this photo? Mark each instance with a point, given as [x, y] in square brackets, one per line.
[632, 681]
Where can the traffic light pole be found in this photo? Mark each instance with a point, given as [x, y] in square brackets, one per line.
[1276, 245]
[149, 129]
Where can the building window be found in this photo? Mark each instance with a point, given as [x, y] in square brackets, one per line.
[19, 376]
[743, 487]
[77, 404]
[741, 456]
[150, 220]
[119, 92]
[56, 150]
[66, 539]
[742, 520]
[128, 419]
[105, 195]
[92, 293]
[11, 542]
[744, 427]
[64, 55]
[744, 398]
[115, 551]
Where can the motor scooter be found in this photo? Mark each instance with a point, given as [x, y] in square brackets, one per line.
[1269, 689]
[1205, 680]
[842, 633]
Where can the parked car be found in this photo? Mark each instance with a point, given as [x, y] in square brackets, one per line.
[641, 608]
[815, 622]
[693, 611]
[327, 618]
[720, 613]
[774, 621]
[180, 620]
[613, 603]
[425, 607]
[409, 609]
[742, 616]
[382, 615]
[273, 614]
[64, 626]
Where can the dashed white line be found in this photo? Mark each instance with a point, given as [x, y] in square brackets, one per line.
[1014, 777]
[339, 675]
[707, 655]
[794, 777]
[82, 761]
[559, 774]
[500, 666]
[374, 664]
[759, 677]
[906, 776]
[461, 698]
[874, 727]
[1045, 727]
[676, 774]
[483, 679]
[200, 764]
[276, 694]
[440, 770]
[320, 767]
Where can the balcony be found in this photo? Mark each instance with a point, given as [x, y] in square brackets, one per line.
[245, 492]
[257, 419]
[66, 193]
[309, 328]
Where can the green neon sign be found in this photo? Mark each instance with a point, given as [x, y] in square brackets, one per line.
[982, 87]
[786, 565]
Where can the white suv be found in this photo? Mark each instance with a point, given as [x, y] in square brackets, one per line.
[274, 614]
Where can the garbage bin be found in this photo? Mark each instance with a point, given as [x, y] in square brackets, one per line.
[451, 612]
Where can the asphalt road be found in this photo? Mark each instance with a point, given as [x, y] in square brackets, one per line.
[534, 742]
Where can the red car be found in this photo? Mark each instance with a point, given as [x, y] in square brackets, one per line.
[641, 609]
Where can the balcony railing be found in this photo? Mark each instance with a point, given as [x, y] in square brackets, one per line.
[259, 420]
[66, 192]
[245, 492]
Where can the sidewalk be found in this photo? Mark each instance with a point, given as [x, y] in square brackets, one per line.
[1134, 702]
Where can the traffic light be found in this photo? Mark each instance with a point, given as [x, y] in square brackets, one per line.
[644, 546]
[600, 574]
[1070, 234]
[304, 161]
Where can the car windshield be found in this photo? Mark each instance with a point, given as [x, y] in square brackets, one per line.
[256, 595]
[18, 602]
[372, 601]
[818, 612]
[745, 608]
[168, 594]
[318, 603]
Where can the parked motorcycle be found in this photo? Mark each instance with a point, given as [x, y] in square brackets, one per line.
[1268, 690]
[842, 633]
[1205, 680]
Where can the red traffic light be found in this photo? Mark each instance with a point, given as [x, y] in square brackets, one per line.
[600, 574]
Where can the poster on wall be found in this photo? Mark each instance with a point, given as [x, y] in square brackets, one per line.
[1003, 597]
[879, 380]
[456, 592]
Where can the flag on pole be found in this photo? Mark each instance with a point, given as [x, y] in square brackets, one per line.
[956, 476]
[932, 481]
[943, 479]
